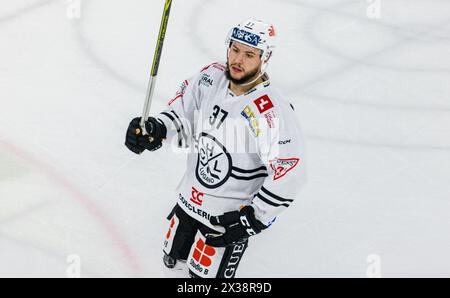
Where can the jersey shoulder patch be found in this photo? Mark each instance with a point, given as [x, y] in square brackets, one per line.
[180, 92]
[270, 108]
[271, 101]
[263, 103]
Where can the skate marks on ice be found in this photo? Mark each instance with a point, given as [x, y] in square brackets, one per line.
[34, 199]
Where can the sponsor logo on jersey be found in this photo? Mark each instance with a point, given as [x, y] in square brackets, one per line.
[248, 114]
[206, 80]
[193, 208]
[197, 196]
[282, 166]
[214, 163]
[263, 104]
[284, 142]
[246, 37]
[270, 117]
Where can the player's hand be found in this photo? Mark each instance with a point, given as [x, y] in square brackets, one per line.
[239, 225]
[137, 142]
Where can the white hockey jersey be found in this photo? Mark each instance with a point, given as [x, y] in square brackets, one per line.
[245, 149]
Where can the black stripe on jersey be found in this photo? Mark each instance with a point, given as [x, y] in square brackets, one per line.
[180, 137]
[243, 174]
[171, 118]
[249, 177]
[274, 196]
[179, 120]
[265, 200]
[183, 131]
[249, 171]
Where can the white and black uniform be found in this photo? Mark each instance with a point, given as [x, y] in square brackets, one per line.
[243, 150]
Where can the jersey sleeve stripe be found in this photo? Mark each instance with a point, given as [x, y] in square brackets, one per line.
[265, 200]
[263, 168]
[274, 196]
[183, 131]
[248, 177]
[180, 137]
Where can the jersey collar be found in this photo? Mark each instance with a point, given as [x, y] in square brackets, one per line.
[262, 85]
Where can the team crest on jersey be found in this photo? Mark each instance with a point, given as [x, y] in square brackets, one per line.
[282, 166]
[248, 114]
[214, 163]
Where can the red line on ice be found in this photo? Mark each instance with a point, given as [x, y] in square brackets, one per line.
[84, 200]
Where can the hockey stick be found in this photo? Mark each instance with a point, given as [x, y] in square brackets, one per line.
[155, 65]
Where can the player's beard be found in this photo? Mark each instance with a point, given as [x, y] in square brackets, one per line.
[245, 79]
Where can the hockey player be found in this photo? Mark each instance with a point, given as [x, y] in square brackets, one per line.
[246, 163]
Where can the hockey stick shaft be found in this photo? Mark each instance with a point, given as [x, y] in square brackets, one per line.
[155, 64]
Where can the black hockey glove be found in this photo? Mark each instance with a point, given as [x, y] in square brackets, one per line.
[137, 142]
[239, 225]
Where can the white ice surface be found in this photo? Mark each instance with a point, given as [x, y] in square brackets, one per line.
[372, 95]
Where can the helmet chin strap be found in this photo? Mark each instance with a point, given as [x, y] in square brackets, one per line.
[261, 73]
[249, 83]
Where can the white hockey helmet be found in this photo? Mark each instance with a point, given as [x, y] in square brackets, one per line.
[256, 34]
